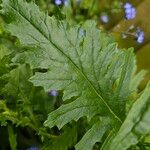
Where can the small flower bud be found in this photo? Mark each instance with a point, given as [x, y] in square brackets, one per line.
[104, 18]
[53, 93]
[139, 36]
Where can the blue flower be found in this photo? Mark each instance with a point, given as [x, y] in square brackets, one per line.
[130, 11]
[139, 36]
[33, 148]
[127, 6]
[104, 18]
[53, 93]
[58, 2]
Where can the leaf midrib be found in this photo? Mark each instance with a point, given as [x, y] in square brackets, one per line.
[76, 67]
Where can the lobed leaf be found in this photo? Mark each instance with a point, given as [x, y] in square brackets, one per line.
[82, 61]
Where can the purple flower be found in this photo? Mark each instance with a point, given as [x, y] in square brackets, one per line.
[58, 2]
[104, 18]
[53, 93]
[130, 11]
[139, 36]
[33, 148]
[127, 6]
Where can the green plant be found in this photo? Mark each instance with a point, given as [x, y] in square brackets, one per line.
[98, 82]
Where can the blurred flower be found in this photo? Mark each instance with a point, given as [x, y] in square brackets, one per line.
[127, 6]
[66, 2]
[139, 36]
[58, 2]
[33, 148]
[53, 93]
[104, 18]
[130, 11]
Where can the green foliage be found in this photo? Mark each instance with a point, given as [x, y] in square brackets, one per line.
[63, 141]
[93, 135]
[97, 80]
[136, 125]
[12, 138]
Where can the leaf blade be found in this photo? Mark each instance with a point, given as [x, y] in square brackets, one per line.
[137, 122]
[36, 31]
[93, 135]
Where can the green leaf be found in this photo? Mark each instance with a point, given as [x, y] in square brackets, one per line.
[64, 141]
[136, 126]
[17, 82]
[12, 138]
[4, 59]
[6, 114]
[93, 135]
[3, 52]
[137, 80]
[82, 61]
